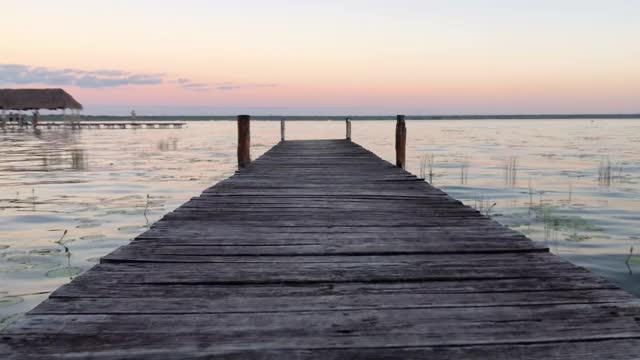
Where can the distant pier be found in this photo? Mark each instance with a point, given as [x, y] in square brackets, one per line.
[97, 125]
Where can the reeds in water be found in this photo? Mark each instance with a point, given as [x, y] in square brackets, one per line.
[484, 205]
[426, 167]
[510, 167]
[608, 172]
[464, 171]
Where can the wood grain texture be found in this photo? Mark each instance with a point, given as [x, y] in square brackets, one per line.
[321, 250]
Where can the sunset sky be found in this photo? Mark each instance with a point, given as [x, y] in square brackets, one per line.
[328, 57]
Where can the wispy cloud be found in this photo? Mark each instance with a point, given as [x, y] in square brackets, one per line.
[228, 86]
[18, 74]
[196, 86]
[188, 84]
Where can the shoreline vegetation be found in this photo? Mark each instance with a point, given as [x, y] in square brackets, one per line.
[355, 118]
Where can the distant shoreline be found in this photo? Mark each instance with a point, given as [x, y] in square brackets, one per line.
[355, 118]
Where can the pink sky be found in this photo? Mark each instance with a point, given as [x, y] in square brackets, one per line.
[429, 57]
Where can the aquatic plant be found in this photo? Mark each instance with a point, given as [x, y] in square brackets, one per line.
[608, 172]
[61, 243]
[464, 171]
[576, 237]
[573, 226]
[426, 167]
[67, 271]
[484, 206]
[530, 195]
[510, 167]
[146, 207]
[630, 256]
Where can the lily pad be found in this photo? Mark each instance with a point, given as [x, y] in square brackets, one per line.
[30, 262]
[10, 301]
[44, 251]
[88, 225]
[68, 271]
[4, 247]
[577, 237]
[92, 237]
[132, 228]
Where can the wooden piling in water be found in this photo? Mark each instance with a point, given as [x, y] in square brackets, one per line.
[244, 140]
[348, 124]
[282, 130]
[401, 142]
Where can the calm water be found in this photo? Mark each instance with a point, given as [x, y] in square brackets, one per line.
[68, 198]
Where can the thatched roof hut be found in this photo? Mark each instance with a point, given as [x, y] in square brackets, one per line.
[35, 99]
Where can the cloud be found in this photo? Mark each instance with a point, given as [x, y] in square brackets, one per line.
[233, 86]
[196, 86]
[109, 73]
[18, 74]
[182, 81]
[188, 84]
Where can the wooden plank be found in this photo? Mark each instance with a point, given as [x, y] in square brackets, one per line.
[185, 304]
[301, 269]
[107, 287]
[453, 326]
[206, 247]
[195, 346]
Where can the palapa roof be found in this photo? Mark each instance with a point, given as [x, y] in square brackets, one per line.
[34, 99]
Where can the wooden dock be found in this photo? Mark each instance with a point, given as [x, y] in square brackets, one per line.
[96, 125]
[321, 250]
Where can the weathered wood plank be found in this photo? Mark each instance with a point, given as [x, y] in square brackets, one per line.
[265, 303]
[453, 326]
[195, 346]
[207, 247]
[302, 269]
[108, 287]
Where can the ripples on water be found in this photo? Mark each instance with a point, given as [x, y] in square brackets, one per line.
[69, 197]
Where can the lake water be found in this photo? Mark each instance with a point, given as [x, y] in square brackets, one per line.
[69, 197]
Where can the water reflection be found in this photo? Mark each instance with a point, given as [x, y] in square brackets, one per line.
[33, 151]
[78, 159]
[168, 144]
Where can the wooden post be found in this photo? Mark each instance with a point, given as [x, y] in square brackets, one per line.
[401, 142]
[282, 130]
[348, 123]
[244, 140]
